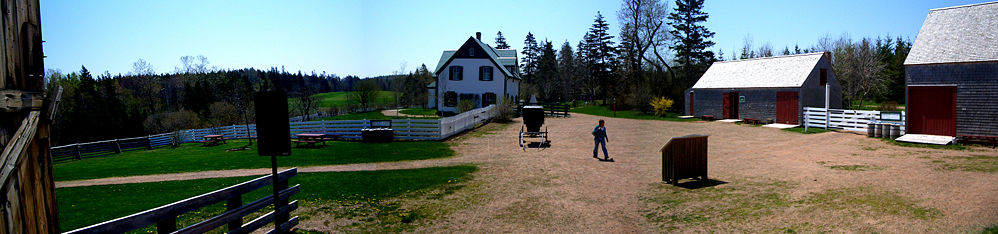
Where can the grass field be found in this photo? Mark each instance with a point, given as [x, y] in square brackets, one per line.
[82, 206]
[194, 157]
[630, 114]
[339, 99]
[809, 130]
[370, 115]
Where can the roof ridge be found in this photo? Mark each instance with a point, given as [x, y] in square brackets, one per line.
[773, 57]
[963, 6]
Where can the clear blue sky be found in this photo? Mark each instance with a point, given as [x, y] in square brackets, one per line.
[369, 38]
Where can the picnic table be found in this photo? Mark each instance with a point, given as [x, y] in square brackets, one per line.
[213, 139]
[312, 138]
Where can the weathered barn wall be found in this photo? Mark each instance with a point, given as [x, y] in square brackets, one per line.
[976, 97]
[27, 189]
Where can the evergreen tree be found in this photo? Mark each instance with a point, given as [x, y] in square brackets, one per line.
[602, 53]
[547, 72]
[531, 52]
[691, 38]
[786, 50]
[501, 41]
[566, 85]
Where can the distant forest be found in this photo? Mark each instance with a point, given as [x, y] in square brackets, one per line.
[142, 102]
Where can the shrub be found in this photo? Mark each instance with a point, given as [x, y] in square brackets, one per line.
[465, 106]
[505, 111]
[661, 105]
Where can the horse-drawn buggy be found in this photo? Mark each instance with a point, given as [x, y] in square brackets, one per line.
[533, 119]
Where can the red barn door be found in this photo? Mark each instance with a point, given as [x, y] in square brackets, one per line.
[786, 108]
[730, 107]
[932, 110]
[691, 104]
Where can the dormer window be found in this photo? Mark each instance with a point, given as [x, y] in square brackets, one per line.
[471, 51]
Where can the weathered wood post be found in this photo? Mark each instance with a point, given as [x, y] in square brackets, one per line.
[27, 189]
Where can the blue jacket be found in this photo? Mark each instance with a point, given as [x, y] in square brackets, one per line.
[599, 133]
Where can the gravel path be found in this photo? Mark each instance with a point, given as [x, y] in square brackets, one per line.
[396, 112]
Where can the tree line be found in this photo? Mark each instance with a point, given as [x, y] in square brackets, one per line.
[195, 95]
[660, 53]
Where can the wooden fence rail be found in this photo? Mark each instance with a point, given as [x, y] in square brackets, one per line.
[165, 217]
[550, 109]
[852, 120]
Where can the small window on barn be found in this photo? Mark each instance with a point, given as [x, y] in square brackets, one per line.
[488, 99]
[824, 77]
[456, 73]
[485, 73]
[450, 99]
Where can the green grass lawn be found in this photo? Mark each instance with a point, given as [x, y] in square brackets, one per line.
[82, 206]
[629, 114]
[370, 115]
[194, 157]
[339, 99]
[419, 111]
[870, 105]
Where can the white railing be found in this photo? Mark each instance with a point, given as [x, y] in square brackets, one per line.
[852, 120]
[459, 123]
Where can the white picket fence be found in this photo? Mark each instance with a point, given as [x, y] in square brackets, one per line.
[852, 120]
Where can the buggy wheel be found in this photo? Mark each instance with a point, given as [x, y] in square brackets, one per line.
[520, 140]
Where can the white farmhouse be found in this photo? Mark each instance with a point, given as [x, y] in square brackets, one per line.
[475, 72]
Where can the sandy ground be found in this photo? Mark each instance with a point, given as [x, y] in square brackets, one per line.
[396, 112]
[563, 189]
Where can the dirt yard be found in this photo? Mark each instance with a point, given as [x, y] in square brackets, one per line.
[763, 180]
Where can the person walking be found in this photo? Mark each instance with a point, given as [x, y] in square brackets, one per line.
[599, 136]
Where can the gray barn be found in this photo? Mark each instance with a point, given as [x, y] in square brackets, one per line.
[772, 88]
[952, 73]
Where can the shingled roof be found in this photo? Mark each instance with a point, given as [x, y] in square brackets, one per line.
[769, 72]
[957, 34]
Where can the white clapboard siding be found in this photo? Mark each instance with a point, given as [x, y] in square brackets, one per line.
[852, 120]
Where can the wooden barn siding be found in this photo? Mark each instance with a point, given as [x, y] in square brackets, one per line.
[759, 103]
[976, 93]
[813, 94]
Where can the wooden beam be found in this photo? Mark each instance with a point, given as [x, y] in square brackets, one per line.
[16, 100]
[18, 145]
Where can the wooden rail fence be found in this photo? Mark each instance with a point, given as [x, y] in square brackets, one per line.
[550, 109]
[852, 120]
[165, 217]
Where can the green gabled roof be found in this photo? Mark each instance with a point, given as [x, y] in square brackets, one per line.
[432, 85]
[493, 54]
[506, 52]
[443, 59]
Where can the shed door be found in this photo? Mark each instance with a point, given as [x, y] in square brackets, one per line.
[691, 104]
[932, 110]
[786, 108]
[730, 101]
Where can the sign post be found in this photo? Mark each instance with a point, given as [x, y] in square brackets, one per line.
[274, 139]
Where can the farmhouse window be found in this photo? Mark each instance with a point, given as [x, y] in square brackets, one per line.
[456, 73]
[485, 73]
[488, 99]
[450, 99]
[469, 97]
[471, 52]
[824, 77]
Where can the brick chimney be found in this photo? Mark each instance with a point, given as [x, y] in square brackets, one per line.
[478, 35]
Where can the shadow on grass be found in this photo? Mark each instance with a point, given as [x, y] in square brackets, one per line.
[698, 184]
